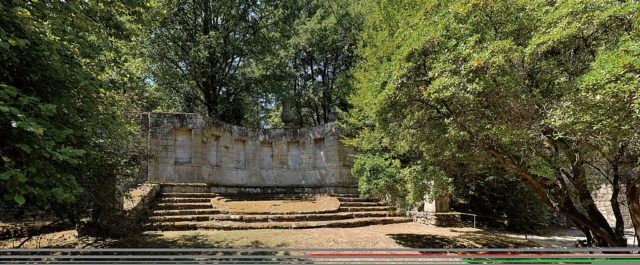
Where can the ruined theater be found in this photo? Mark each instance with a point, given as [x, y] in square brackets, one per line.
[206, 174]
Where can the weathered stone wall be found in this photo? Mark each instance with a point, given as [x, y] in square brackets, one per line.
[191, 148]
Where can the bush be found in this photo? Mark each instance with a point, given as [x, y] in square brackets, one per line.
[378, 176]
[501, 201]
[405, 185]
[66, 139]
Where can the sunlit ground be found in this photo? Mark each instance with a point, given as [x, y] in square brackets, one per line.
[404, 235]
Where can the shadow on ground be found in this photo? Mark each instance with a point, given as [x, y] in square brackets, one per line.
[158, 241]
[199, 241]
[151, 240]
[479, 239]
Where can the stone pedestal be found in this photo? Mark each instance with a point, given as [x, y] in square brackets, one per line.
[440, 204]
[287, 115]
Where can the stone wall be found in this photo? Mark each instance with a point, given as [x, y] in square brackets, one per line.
[191, 148]
[602, 197]
[138, 199]
[450, 219]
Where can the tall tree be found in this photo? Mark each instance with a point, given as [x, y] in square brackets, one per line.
[547, 91]
[318, 62]
[205, 52]
[242, 62]
[66, 86]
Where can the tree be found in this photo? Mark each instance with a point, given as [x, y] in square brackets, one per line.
[242, 62]
[66, 85]
[547, 91]
[205, 53]
[391, 29]
[317, 60]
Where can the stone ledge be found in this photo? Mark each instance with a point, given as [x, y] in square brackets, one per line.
[448, 219]
[203, 187]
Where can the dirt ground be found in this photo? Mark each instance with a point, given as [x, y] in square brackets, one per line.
[405, 235]
[566, 237]
[318, 204]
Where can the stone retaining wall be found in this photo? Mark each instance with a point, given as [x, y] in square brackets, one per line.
[450, 219]
[138, 199]
[191, 148]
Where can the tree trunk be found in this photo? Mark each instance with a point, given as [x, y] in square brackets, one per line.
[586, 199]
[210, 87]
[615, 205]
[633, 200]
[595, 233]
[602, 233]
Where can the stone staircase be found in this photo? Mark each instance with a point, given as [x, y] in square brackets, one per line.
[194, 211]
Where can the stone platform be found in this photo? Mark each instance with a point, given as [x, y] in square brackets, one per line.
[190, 207]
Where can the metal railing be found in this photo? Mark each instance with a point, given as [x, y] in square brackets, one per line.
[474, 217]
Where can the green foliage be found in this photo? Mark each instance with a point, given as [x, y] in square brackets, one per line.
[385, 177]
[69, 82]
[247, 62]
[377, 175]
[213, 56]
[544, 90]
[36, 150]
[316, 62]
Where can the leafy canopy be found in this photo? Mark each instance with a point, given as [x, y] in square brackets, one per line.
[547, 91]
[67, 81]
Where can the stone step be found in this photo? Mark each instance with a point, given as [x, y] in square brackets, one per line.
[189, 194]
[272, 218]
[183, 205]
[180, 218]
[183, 199]
[324, 211]
[190, 212]
[366, 208]
[218, 225]
[346, 195]
[352, 199]
[355, 204]
[185, 188]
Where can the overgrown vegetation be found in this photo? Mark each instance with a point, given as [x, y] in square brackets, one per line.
[65, 88]
[246, 62]
[544, 90]
[501, 202]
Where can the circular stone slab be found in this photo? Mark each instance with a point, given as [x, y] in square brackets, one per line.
[320, 204]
